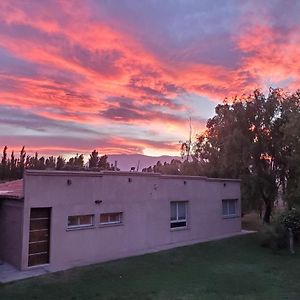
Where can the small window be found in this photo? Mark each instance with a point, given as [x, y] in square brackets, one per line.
[111, 218]
[229, 207]
[80, 221]
[178, 214]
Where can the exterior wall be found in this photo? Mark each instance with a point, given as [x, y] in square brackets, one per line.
[145, 203]
[11, 217]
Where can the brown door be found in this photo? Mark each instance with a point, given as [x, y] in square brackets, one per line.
[39, 236]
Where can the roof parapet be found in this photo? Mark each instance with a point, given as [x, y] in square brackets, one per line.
[120, 173]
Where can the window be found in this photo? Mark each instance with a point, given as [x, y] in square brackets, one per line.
[111, 218]
[80, 221]
[229, 207]
[178, 214]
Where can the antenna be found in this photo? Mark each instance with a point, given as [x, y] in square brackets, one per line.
[187, 145]
[189, 141]
[138, 166]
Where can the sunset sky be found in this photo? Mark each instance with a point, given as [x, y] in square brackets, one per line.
[125, 76]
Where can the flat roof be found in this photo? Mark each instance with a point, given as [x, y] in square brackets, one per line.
[14, 189]
[121, 173]
[11, 189]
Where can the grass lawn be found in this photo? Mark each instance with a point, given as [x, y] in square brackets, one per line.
[235, 268]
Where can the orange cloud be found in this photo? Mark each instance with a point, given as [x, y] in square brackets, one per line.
[66, 65]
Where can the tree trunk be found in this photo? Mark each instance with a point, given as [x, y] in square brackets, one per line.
[268, 211]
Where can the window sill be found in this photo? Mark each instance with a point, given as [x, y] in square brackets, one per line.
[110, 225]
[231, 217]
[179, 228]
[80, 228]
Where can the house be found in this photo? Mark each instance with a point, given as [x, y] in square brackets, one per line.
[62, 219]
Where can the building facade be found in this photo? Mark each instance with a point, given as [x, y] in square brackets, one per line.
[63, 219]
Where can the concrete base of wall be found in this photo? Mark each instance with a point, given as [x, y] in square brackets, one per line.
[9, 273]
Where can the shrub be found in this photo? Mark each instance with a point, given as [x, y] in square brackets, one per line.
[273, 236]
[291, 219]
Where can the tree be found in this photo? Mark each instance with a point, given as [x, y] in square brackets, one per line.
[50, 162]
[76, 162]
[79, 160]
[158, 167]
[3, 169]
[186, 146]
[41, 163]
[13, 166]
[292, 141]
[34, 161]
[245, 139]
[21, 165]
[94, 159]
[102, 163]
[61, 162]
[4, 156]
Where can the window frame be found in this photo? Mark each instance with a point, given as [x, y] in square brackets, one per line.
[110, 223]
[85, 225]
[177, 220]
[228, 215]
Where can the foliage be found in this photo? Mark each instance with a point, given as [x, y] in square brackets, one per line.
[273, 236]
[94, 159]
[177, 167]
[254, 138]
[251, 139]
[13, 168]
[291, 219]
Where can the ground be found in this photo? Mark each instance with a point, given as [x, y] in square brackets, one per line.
[252, 221]
[235, 268]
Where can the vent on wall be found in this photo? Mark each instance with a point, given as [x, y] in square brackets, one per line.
[129, 179]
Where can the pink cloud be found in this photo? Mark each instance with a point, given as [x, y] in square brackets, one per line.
[91, 71]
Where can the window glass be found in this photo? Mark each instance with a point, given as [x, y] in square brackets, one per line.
[225, 210]
[231, 207]
[86, 220]
[173, 211]
[73, 221]
[104, 218]
[181, 211]
[114, 217]
[178, 214]
[79, 221]
[111, 218]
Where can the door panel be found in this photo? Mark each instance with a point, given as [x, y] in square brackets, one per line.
[39, 236]
[39, 224]
[38, 259]
[38, 247]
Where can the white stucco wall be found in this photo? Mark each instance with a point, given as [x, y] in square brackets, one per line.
[145, 203]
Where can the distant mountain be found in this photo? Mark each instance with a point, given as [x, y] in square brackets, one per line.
[126, 161]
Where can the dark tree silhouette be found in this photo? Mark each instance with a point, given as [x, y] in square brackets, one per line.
[61, 162]
[94, 159]
[246, 139]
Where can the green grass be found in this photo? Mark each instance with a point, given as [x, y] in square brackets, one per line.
[235, 268]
